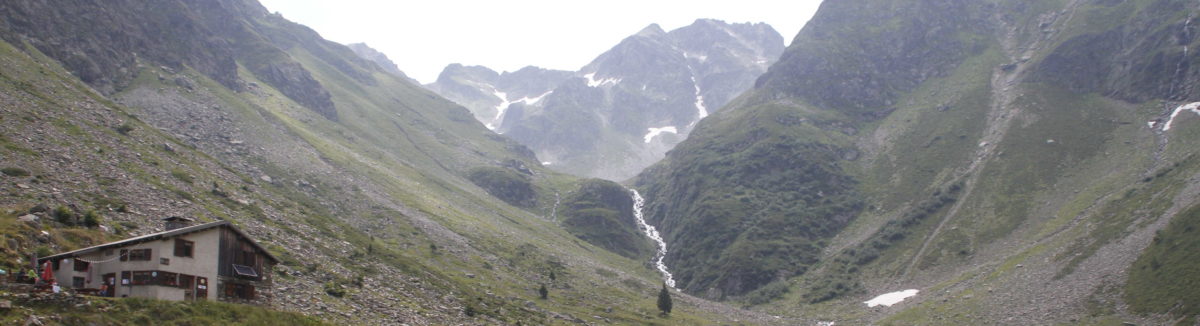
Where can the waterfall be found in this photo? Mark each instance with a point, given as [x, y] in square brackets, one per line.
[652, 233]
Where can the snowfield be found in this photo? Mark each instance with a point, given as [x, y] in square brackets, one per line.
[889, 299]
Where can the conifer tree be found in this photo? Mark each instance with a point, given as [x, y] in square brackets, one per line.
[664, 300]
[543, 292]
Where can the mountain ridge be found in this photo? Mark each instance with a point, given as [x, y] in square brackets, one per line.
[632, 103]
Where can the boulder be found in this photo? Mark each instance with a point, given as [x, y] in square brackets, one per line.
[39, 208]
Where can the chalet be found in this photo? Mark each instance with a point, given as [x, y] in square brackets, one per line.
[212, 261]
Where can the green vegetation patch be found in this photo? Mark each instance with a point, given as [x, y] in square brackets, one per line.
[139, 311]
[601, 213]
[1166, 277]
[15, 172]
[510, 186]
[752, 200]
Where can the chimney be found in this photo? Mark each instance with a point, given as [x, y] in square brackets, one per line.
[177, 222]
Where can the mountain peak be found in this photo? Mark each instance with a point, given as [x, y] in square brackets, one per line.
[379, 58]
[651, 31]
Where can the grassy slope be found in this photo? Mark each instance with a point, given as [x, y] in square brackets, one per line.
[1163, 279]
[1066, 181]
[138, 311]
[1070, 157]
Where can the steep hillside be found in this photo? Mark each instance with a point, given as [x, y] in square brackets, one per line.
[626, 108]
[123, 112]
[994, 155]
[601, 212]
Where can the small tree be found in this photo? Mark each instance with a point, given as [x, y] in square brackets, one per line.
[91, 219]
[64, 215]
[664, 300]
[553, 277]
[543, 292]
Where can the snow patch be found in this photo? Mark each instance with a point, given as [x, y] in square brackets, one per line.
[592, 82]
[889, 299]
[500, 108]
[652, 233]
[654, 132]
[1194, 107]
[547, 163]
[505, 103]
[532, 101]
[703, 111]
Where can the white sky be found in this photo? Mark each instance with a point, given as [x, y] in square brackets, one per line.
[423, 37]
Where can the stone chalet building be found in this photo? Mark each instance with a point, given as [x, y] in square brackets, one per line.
[212, 261]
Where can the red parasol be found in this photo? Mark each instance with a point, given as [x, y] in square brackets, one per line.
[48, 273]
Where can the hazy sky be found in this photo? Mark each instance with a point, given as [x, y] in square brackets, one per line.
[507, 35]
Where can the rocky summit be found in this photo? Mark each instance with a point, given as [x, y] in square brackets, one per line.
[626, 108]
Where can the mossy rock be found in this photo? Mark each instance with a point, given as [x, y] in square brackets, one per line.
[15, 172]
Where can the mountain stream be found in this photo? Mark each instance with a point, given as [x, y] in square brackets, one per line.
[652, 233]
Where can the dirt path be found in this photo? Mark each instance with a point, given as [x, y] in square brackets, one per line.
[999, 118]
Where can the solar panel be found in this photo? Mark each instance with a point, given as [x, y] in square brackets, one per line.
[243, 270]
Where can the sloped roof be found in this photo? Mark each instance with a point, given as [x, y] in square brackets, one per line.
[162, 235]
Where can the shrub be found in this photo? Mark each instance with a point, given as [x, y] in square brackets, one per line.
[64, 215]
[124, 129]
[43, 251]
[14, 172]
[91, 219]
[767, 293]
[182, 176]
[335, 289]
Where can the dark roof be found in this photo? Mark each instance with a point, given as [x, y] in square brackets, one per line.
[162, 235]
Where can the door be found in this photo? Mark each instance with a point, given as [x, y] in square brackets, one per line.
[201, 288]
[188, 284]
[110, 282]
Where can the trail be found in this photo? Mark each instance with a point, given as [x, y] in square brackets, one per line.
[999, 119]
[652, 233]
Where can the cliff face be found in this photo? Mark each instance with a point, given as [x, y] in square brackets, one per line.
[902, 144]
[104, 43]
[1141, 57]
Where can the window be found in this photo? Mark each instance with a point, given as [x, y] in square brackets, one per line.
[243, 270]
[168, 279]
[185, 281]
[80, 266]
[139, 254]
[164, 261]
[126, 276]
[184, 248]
[77, 282]
[143, 277]
[124, 254]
